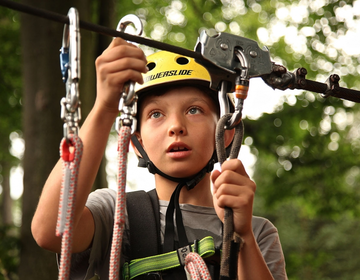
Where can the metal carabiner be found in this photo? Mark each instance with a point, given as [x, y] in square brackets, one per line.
[128, 100]
[129, 87]
[70, 69]
[241, 90]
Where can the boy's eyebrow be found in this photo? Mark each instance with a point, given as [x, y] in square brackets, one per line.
[202, 99]
[156, 100]
[198, 99]
[150, 101]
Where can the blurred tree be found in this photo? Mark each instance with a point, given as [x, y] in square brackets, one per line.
[10, 122]
[10, 102]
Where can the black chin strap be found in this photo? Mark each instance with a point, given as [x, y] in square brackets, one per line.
[174, 206]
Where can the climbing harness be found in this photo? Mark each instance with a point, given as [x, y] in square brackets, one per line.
[125, 125]
[169, 260]
[71, 146]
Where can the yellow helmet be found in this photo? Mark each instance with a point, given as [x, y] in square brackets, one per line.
[166, 67]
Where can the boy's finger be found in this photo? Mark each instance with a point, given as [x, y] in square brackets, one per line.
[234, 165]
[118, 41]
[214, 175]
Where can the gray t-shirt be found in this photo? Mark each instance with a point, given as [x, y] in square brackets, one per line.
[199, 222]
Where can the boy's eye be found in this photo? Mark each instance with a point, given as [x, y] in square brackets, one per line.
[155, 115]
[194, 110]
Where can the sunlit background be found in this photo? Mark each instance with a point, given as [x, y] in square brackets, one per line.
[301, 150]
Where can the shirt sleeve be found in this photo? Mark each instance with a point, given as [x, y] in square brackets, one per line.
[95, 260]
[268, 240]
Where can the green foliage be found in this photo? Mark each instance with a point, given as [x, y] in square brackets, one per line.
[9, 252]
[317, 248]
[296, 148]
[307, 174]
[10, 81]
[10, 121]
[307, 171]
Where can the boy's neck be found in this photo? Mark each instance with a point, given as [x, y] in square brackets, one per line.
[199, 195]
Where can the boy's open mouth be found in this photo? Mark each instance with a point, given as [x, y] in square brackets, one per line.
[178, 149]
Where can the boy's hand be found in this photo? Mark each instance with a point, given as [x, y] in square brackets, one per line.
[119, 63]
[234, 189]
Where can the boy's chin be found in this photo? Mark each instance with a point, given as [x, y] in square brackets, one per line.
[186, 172]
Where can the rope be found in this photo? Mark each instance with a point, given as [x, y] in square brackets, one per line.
[228, 264]
[71, 152]
[196, 267]
[119, 220]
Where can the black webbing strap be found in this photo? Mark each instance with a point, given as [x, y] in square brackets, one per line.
[144, 223]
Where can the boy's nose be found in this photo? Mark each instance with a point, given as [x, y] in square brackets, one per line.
[177, 128]
[176, 131]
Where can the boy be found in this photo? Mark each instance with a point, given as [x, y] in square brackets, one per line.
[177, 124]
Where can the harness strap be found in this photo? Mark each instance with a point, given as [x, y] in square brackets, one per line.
[206, 248]
[169, 237]
[143, 222]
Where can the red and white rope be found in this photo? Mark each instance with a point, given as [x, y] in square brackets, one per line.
[71, 152]
[119, 220]
[196, 267]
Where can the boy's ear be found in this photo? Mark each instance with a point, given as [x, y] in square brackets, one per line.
[137, 134]
[229, 135]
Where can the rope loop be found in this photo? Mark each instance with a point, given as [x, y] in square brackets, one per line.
[71, 152]
[196, 267]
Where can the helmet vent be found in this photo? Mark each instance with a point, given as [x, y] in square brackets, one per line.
[182, 60]
[151, 66]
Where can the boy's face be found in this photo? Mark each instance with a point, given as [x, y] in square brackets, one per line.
[177, 130]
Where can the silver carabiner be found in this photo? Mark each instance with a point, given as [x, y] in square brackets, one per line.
[128, 100]
[70, 68]
[71, 42]
[240, 94]
[129, 87]
[130, 19]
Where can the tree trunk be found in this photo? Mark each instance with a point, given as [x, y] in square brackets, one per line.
[6, 201]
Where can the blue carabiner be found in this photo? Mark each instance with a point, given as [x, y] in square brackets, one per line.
[70, 50]
[70, 70]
